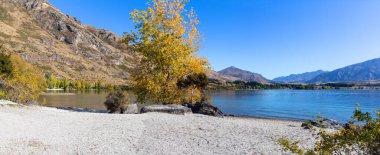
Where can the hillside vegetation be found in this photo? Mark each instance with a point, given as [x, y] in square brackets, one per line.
[59, 44]
[19, 81]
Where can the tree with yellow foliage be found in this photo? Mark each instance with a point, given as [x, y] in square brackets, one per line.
[167, 42]
[23, 82]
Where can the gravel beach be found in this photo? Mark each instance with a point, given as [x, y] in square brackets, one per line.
[42, 130]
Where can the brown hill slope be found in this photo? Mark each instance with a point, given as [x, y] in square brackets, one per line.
[244, 75]
[222, 78]
[59, 44]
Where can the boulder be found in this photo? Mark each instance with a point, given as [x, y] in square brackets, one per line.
[170, 109]
[71, 28]
[324, 123]
[132, 109]
[205, 108]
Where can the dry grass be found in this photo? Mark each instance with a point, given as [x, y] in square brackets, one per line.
[23, 36]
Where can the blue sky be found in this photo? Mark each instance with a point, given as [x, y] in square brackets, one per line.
[270, 37]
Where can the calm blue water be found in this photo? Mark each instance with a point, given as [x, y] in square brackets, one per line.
[296, 104]
[276, 104]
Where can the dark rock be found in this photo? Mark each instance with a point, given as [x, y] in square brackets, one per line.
[170, 109]
[324, 123]
[70, 28]
[70, 40]
[205, 108]
[33, 4]
[132, 109]
[58, 26]
[105, 35]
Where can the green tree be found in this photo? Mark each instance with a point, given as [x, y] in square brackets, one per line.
[116, 101]
[65, 84]
[359, 136]
[23, 83]
[78, 85]
[194, 83]
[5, 64]
[87, 86]
[98, 85]
[167, 44]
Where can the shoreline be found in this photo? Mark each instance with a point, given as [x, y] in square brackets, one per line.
[268, 119]
[225, 115]
[57, 131]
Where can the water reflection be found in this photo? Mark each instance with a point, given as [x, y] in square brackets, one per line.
[91, 99]
[278, 104]
[296, 104]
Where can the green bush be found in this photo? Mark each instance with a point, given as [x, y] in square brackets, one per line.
[198, 80]
[20, 82]
[5, 64]
[53, 82]
[360, 136]
[193, 86]
[116, 101]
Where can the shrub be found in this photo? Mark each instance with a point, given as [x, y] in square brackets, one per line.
[198, 80]
[193, 86]
[360, 136]
[19, 81]
[53, 82]
[5, 64]
[116, 101]
[25, 82]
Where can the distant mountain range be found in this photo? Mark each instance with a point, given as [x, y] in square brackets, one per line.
[299, 78]
[361, 72]
[243, 75]
[365, 71]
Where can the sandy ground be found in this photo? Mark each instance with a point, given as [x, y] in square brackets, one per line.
[5, 102]
[42, 130]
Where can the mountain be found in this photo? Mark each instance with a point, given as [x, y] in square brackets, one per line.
[222, 78]
[243, 75]
[60, 44]
[365, 71]
[299, 78]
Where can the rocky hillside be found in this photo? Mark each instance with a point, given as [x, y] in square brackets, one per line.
[365, 71]
[243, 75]
[60, 44]
[222, 78]
[299, 78]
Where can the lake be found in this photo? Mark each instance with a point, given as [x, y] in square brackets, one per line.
[273, 104]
